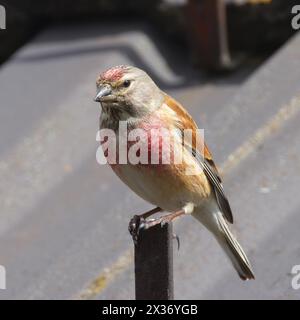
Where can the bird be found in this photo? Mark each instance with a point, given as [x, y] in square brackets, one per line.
[127, 94]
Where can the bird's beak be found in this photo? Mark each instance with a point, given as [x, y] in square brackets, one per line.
[103, 91]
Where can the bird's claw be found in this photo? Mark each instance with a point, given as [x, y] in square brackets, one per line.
[136, 224]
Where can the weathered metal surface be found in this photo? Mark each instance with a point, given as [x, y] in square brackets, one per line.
[154, 264]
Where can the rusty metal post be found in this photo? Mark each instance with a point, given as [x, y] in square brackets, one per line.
[208, 33]
[154, 263]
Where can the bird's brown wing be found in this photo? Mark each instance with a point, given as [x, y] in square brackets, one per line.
[204, 157]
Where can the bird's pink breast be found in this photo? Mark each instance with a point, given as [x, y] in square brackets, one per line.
[154, 140]
[159, 144]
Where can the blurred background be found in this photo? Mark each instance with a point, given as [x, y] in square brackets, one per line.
[234, 64]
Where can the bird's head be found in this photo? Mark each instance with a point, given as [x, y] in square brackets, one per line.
[127, 92]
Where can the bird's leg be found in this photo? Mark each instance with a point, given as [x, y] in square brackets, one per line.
[187, 209]
[149, 213]
[138, 221]
[163, 219]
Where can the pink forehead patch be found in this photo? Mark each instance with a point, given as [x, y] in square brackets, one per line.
[113, 74]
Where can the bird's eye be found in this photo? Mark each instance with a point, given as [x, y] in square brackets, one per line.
[126, 83]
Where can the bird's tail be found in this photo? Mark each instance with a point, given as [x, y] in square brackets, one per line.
[233, 250]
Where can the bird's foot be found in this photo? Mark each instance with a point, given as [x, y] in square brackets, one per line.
[138, 223]
[134, 227]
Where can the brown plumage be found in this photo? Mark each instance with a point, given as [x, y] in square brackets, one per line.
[209, 167]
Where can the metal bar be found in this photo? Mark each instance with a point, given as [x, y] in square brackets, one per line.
[208, 33]
[154, 264]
